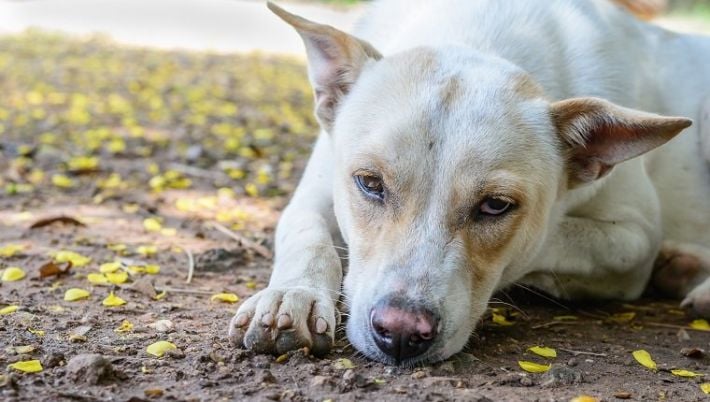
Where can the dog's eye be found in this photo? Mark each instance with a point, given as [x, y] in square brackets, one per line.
[494, 207]
[371, 186]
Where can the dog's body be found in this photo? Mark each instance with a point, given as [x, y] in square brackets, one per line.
[461, 108]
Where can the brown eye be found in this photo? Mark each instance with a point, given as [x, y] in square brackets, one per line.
[494, 207]
[371, 186]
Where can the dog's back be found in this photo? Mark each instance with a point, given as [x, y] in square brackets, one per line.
[567, 45]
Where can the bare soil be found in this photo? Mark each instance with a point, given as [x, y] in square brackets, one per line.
[182, 133]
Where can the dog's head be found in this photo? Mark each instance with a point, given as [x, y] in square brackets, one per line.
[451, 167]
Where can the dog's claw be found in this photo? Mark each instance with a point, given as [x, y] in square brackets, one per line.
[285, 319]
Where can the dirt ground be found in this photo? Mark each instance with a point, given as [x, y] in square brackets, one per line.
[183, 161]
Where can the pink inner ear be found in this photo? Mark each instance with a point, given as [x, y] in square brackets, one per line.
[612, 142]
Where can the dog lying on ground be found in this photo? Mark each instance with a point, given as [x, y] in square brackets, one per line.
[469, 145]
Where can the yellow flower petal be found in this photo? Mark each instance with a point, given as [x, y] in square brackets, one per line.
[623, 317]
[160, 295]
[531, 367]
[112, 300]
[152, 225]
[644, 358]
[705, 387]
[584, 398]
[10, 250]
[543, 351]
[686, 373]
[109, 267]
[147, 251]
[169, 232]
[700, 324]
[80, 163]
[225, 297]
[126, 326]
[37, 332]
[501, 320]
[27, 366]
[97, 279]
[343, 364]
[119, 247]
[9, 309]
[75, 294]
[12, 274]
[152, 269]
[158, 349]
[117, 278]
[76, 259]
[62, 181]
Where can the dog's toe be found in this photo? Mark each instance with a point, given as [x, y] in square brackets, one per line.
[698, 300]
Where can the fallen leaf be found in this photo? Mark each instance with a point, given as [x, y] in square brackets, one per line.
[109, 267]
[343, 364]
[112, 300]
[152, 269]
[693, 353]
[53, 269]
[543, 351]
[117, 278]
[97, 279]
[153, 393]
[12, 274]
[27, 366]
[126, 326]
[76, 259]
[56, 219]
[531, 367]
[158, 349]
[623, 317]
[644, 358]
[10, 250]
[147, 251]
[705, 387]
[686, 373]
[500, 319]
[700, 324]
[225, 297]
[62, 181]
[37, 332]
[25, 349]
[83, 164]
[152, 224]
[584, 398]
[75, 294]
[8, 309]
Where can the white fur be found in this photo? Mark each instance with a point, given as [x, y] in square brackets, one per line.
[598, 240]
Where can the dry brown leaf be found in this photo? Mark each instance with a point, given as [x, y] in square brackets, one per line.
[68, 220]
[54, 269]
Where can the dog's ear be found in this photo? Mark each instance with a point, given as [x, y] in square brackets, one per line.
[335, 60]
[599, 134]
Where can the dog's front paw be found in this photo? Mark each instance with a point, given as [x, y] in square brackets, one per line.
[698, 300]
[282, 319]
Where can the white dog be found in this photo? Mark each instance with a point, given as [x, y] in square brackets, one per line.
[468, 145]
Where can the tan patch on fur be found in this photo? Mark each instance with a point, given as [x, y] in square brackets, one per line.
[452, 91]
[526, 87]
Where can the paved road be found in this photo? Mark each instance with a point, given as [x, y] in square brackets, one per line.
[219, 25]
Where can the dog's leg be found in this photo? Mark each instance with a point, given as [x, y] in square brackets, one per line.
[683, 271]
[297, 309]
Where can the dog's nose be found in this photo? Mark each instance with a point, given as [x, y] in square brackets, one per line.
[402, 330]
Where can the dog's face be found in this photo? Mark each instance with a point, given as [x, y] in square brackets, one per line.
[451, 168]
[448, 168]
